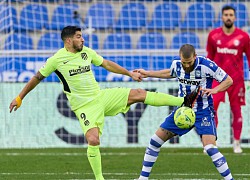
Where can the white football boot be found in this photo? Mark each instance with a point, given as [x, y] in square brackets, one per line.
[236, 147]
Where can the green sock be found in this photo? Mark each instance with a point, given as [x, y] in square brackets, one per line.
[162, 99]
[94, 157]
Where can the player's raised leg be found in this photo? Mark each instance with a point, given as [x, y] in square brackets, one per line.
[162, 99]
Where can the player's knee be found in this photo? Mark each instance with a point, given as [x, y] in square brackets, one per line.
[140, 94]
[93, 140]
[137, 95]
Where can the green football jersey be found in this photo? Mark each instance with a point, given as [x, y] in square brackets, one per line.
[75, 73]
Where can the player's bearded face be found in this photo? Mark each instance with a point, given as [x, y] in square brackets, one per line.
[77, 46]
[188, 69]
[188, 64]
[228, 18]
[77, 41]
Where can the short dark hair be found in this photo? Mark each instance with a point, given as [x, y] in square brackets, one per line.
[227, 7]
[187, 50]
[69, 31]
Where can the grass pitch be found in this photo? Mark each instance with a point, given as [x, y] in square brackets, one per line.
[118, 163]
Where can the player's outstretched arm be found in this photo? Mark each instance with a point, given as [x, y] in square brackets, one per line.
[116, 68]
[221, 87]
[35, 80]
[165, 73]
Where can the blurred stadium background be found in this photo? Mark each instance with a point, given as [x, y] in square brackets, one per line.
[138, 33]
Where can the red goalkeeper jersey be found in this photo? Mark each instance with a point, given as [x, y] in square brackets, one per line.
[227, 51]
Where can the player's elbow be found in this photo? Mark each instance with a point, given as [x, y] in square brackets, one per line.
[230, 81]
[38, 76]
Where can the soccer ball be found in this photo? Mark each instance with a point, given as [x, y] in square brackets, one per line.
[184, 117]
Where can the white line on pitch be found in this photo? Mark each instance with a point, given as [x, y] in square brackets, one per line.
[121, 174]
[104, 154]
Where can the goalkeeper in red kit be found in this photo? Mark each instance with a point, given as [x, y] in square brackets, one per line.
[225, 46]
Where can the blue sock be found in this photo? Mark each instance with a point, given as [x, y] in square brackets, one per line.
[219, 161]
[150, 156]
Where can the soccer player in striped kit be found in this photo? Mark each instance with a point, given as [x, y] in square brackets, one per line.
[192, 72]
[225, 46]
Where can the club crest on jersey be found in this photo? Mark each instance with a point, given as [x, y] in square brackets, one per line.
[236, 42]
[197, 73]
[84, 56]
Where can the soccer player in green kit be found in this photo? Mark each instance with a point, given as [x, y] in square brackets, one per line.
[72, 64]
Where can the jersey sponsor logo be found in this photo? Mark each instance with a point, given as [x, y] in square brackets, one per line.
[189, 82]
[227, 51]
[84, 56]
[80, 70]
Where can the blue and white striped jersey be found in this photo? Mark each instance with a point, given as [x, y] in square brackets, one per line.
[203, 74]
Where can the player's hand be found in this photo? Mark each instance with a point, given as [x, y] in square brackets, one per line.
[144, 73]
[208, 92]
[15, 104]
[136, 76]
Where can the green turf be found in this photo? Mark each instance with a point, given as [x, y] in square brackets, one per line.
[118, 163]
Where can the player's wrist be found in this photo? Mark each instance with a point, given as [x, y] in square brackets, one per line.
[19, 101]
[148, 73]
[130, 73]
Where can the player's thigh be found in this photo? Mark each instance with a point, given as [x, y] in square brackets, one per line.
[115, 100]
[205, 123]
[169, 125]
[236, 94]
[91, 115]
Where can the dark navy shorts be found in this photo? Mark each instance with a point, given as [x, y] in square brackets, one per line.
[204, 123]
